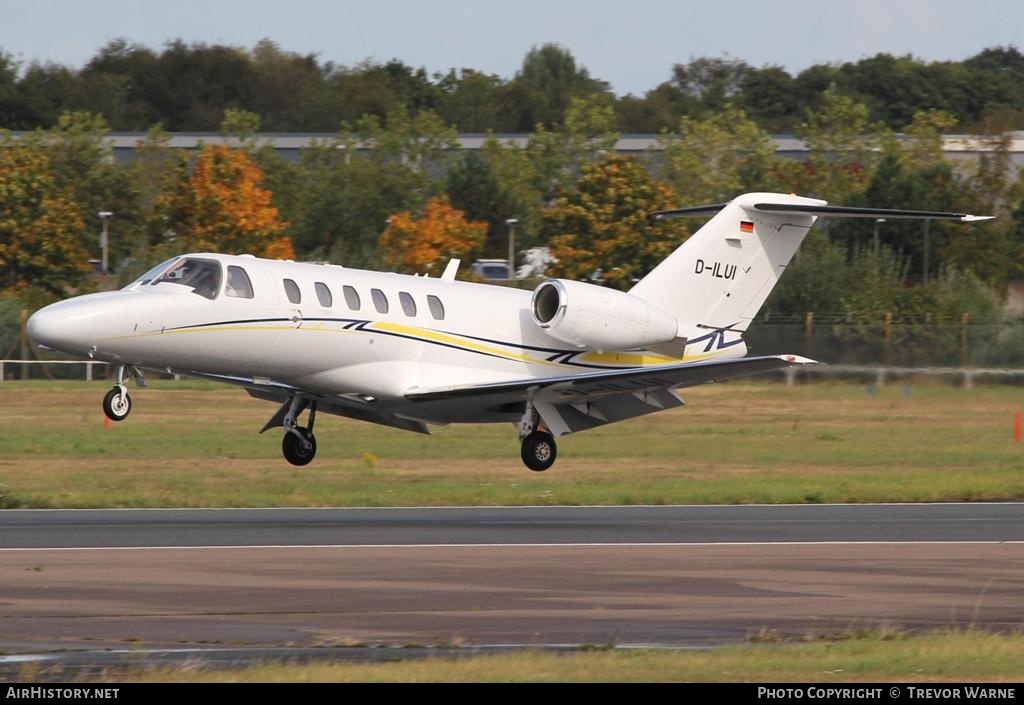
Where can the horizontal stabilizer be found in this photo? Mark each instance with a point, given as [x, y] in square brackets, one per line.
[850, 212]
[687, 212]
[824, 212]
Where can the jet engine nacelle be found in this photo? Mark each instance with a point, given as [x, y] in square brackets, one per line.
[598, 318]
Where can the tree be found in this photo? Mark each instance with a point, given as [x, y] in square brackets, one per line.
[897, 184]
[425, 244]
[222, 207]
[82, 162]
[40, 226]
[549, 79]
[711, 83]
[474, 189]
[990, 249]
[922, 143]
[379, 90]
[713, 159]
[842, 148]
[476, 102]
[292, 92]
[768, 96]
[341, 194]
[602, 227]
[557, 156]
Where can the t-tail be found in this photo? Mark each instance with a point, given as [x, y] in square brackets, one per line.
[716, 282]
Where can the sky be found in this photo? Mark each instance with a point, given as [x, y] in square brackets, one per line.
[632, 44]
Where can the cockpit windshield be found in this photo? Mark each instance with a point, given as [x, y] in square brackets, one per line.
[151, 274]
[202, 275]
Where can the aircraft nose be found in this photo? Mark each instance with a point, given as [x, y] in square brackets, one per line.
[44, 327]
[73, 326]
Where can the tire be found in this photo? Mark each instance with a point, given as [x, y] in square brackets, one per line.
[295, 451]
[116, 405]
[539, 451]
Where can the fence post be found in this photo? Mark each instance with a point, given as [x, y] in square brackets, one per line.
[23, 338]
[887, 338]
[964, 320]
[809, 333]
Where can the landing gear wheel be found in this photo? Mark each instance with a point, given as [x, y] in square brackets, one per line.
[296, 451]
[539, 451]
[117, 404]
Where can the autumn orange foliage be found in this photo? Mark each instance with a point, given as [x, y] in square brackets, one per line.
[222, 207]
[41, 227]
[426, 244]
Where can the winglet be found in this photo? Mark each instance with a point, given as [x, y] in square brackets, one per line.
[450, 270]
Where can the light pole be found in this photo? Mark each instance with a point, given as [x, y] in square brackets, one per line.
[104, 240]
[927, 236]
[511, 223]
[875, 239]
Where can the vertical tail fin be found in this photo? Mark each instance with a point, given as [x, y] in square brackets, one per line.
[721, 276]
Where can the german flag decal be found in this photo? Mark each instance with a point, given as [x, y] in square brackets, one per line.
[746, 226]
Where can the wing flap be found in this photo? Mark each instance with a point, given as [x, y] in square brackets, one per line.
[571, 417]
[339, 406]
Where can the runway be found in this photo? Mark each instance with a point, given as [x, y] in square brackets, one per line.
[143, 528]
[279, 581]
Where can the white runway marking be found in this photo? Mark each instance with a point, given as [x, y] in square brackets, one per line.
[526, 507]
[704, 544]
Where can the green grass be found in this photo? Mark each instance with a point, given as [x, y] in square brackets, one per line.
[960, 656]
[196, 444]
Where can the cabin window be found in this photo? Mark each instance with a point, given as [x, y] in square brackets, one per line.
[408, 303]
[238, 284]
[203, 276]
[351, 297]
[380, 301]
[291, 289]
[323, 294]
[436, 307]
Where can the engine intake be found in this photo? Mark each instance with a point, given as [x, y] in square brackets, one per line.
[590, 316]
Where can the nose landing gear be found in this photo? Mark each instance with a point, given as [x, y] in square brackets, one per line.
[116, 403]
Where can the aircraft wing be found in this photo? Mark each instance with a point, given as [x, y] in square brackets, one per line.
[577, 402]
[591, 385]
[347, 405]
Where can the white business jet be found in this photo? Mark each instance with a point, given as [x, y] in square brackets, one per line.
[410, 351]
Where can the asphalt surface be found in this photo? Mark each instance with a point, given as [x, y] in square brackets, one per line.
[511, 525]
[82, 590]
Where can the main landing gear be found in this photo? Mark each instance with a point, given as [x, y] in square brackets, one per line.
[538, 449]
[116, 402]
[299, 443]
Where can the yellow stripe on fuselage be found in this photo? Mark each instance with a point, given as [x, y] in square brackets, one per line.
[456, 341]
[610, 360]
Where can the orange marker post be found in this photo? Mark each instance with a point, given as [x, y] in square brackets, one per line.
[1016, 427]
